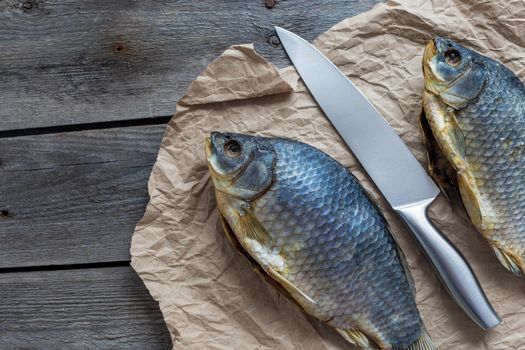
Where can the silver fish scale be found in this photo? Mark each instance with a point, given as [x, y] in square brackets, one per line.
[494, 130]
[337, 246]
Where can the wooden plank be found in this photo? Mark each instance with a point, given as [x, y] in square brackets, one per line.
[75, 61]
[72, 198]
[103, 308]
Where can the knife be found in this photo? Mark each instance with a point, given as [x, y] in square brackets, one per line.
[393, 168]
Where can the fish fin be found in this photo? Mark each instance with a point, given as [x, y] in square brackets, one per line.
[456, 135]
[438, 166]
[252, 228]
[228, 232]
[308, 304]
[442, 131]
[470, 200]
[356, 337]
[255, 265]
[423, 342]
[445, 129]
[246, 224]
[510, 261]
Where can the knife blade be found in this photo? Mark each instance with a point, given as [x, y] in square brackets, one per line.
[393, 168]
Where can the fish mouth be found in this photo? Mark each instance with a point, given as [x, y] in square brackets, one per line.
[433, 81]
[211, 158]
[430, 51]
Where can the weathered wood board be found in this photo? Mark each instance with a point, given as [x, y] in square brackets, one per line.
[72, 198]
[67, 62]
[85, 309]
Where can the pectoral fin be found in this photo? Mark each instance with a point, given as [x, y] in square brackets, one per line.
[456, 135]
[250, 227]
[470, 200]
[255, 265]
[439, 167]
[308, 304]
[440, 125]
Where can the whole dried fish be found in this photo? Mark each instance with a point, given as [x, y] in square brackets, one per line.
[474, 118]
[305, 221]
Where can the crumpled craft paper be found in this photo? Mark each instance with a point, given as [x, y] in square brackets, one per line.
[208, 294]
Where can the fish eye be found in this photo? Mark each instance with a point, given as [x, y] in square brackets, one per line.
[232, 148]
[452, 57]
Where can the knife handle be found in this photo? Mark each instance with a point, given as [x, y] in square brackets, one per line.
[450, 265]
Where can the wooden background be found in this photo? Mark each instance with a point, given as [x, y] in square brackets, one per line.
[86, 89]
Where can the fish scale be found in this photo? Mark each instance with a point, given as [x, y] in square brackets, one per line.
[487, 121]
[492, 122]
[306, 221]
[335, 244]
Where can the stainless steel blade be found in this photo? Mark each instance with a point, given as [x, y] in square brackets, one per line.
[384, 156]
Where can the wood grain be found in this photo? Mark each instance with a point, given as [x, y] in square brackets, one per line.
[104, 308]
[72, 198]
[75, 197]
[72, 61]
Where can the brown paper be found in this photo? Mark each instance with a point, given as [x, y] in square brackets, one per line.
[208, 294]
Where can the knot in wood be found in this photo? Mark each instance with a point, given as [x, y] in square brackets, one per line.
[120, 48]
[274, 40]
[27, 6]
[270, 3]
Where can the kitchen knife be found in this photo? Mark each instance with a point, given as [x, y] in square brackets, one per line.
[393, 168]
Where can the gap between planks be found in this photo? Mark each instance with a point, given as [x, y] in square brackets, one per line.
[37, 268]
[85, 309]
[85, 126]
[74, 197]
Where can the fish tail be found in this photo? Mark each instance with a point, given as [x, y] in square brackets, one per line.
[423, 342]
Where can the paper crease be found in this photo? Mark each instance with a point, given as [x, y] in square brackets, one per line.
[208, 294]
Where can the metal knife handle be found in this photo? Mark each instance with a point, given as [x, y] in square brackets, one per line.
[450, 265]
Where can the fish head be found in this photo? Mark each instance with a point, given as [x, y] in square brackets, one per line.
[454, 73]
[240, 165]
